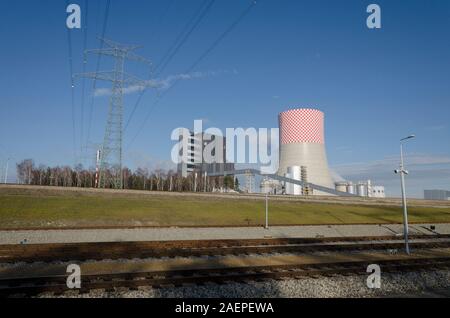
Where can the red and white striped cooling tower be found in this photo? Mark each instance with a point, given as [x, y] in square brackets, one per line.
[302, 143]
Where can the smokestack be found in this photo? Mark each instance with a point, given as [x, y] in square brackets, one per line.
[302, 143]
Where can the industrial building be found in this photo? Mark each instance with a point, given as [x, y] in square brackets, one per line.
[362, 189]
[377, 192]
[270, 186]
[303, 158]
[302, 148]
[441, 195]
[195, 163]
[303, 165]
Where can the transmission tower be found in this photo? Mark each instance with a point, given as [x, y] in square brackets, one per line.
[111, 150]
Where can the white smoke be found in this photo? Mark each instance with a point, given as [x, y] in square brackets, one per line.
[161, 84]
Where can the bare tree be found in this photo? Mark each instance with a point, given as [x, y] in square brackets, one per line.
[140, 179]
[24, 171]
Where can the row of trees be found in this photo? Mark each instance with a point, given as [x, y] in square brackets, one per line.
[140, 179]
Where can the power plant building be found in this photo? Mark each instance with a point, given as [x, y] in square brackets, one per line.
[440, 195]
[377, 192]
[303, 156]
[302, 144]
[361, 189]
[293, 172]
[270, 186]
[196, 146]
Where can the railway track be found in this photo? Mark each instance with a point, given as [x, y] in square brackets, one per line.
[339, 259]
[157, 249]
[56, 284]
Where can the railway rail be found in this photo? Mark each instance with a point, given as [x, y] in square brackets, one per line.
[56, 284]
[128, 250]
[433, 252]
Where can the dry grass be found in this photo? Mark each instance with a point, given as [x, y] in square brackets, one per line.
[55, 207]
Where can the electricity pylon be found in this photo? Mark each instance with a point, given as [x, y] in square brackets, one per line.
[111, 150]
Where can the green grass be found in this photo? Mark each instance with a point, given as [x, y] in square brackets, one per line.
[37, 208]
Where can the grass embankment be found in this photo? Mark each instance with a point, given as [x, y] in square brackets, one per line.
[50, 208]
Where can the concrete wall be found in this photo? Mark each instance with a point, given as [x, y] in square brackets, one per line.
[311, 155]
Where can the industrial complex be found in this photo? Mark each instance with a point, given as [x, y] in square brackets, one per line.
[303, 164]
[303, 157]
[441, 195]
[196, 145]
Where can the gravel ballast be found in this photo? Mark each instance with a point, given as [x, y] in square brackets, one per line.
[413, 284]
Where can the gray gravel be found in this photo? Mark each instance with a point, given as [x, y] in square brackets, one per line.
[23, 265]
[402, 285]
[158, 234]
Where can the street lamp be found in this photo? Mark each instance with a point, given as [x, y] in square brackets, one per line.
[402, 173]
[267, 211]
[6, 170]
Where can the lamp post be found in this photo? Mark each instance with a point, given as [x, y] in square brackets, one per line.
[267, 212]
[6, 170]
[402, 173]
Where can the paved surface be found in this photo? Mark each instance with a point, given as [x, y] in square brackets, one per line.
[171, 234]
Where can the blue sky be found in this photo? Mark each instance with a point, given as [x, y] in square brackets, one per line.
[375, 86]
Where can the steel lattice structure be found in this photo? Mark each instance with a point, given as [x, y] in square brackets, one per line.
[111, 150]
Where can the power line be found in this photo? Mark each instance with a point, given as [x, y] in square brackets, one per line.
[94, 85]
[141, 94]
[98, 15]
[184, 35]
[86, 17]
[160, 21]
[221, 37]
[145, 121]
[69, 42]
[198, 61]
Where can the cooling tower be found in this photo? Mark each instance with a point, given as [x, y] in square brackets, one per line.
[302, 143]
